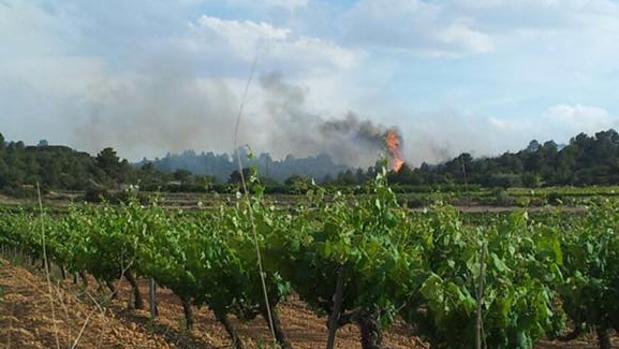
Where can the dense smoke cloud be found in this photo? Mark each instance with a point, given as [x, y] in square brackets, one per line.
[165, 109]
[173, 112]
[362, 132]
[348, 139]
[148, 79]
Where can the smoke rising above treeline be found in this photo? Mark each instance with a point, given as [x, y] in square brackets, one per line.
[348, 139]
[173, 112]
[153, 77]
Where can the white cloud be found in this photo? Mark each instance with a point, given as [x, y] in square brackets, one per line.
[238, 42]
[579, 118]
[559, 123]
[27, 30]
[440, 135]
[289, 5]
[125, 63]
[414, 25]
[456, 28]
[143, 93]
[461, 35]
[507, 124]
[562, 118]
[233, 38]
[237, 30]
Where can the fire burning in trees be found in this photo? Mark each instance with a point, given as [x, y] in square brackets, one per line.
[393, 140]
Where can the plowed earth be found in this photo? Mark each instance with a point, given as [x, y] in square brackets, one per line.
[60, 314]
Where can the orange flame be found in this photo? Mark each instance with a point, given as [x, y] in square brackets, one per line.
[393, 140]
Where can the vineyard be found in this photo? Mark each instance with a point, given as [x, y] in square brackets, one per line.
[502, 282]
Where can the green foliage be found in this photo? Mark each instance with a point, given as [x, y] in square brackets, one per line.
[586, 160]
[298, 184]
[363, 240]
[520, 267]
[591, 268]
[425, 267]
[502, 198]
[58, 167]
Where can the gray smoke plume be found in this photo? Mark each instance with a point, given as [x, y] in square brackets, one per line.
[167, 110]
[361, 132]
[348, 139]
[163, 109]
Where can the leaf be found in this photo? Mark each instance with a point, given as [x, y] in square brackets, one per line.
[498, 264]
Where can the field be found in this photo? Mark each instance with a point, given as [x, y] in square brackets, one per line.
[469, 199]
[300, 174]
[25, 321]
[292, 270]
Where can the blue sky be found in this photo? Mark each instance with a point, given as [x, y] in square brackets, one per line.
[148, 77]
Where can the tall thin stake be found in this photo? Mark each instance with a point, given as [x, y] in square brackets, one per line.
[247, 198]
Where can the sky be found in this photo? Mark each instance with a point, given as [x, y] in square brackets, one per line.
[158, 76]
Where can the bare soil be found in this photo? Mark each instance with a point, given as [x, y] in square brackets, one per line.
[73, 316]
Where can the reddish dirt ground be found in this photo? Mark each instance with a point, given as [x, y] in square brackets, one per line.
[87, 317]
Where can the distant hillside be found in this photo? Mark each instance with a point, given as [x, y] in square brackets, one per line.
[586, 160]
[221, 166]
[59, 167]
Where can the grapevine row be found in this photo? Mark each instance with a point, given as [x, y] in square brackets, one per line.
[506, 283]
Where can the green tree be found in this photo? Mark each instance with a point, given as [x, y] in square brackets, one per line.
[298, 184]
[117, 171]
[235, 176]
[108, 161]
[182, 176]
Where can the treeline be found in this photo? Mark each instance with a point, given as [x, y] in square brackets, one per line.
[22, 166]
[220, 166]
[59, 167]
[586, 160]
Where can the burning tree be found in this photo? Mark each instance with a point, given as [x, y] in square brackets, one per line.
[393, 141]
